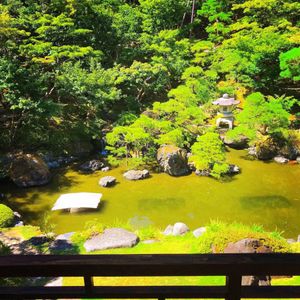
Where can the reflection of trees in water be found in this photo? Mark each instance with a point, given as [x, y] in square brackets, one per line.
[29, 201]
[258, 202]
[160, 204]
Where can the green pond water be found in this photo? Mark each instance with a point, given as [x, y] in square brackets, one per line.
[264, 193]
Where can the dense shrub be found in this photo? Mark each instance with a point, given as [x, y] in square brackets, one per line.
[6, 216]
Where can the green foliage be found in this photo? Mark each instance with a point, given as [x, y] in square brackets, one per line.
[218, 16]
[69, 68]
[6, 216]
[218, 235]
[174, 137]
[4, 250]
[127, 141]
[290, 64]
[219, 169]
[168, 49]
[260, 114]
[162, 14]
[208, 153]
[149, 233]
[91, 228]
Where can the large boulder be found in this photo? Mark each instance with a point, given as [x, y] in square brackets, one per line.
[240, 142]
[29, 170]
[91, 166]
[250, 246]
[173, 160]
[136, 174]
[107, 181]
[110, 239]
[5, 162]
[290, 149]
[266, 148]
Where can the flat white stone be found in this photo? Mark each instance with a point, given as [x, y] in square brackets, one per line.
[77, 201]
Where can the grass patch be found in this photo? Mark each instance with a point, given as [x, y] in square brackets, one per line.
[218, 235]
[22, 232]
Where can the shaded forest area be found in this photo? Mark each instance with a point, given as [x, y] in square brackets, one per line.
[71, 68]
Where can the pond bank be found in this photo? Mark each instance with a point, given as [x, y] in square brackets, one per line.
[264, 193]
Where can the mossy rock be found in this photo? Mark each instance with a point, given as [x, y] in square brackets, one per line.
[29, 170]
[6, 216]
[173, 160]
[266, 148]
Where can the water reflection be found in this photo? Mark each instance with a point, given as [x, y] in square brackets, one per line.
[160, 203]
[259, 202]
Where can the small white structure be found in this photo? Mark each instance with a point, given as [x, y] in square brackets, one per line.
[75, 202]
[226, 106]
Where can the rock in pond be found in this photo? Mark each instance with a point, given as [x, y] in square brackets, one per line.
[107, 181]
[281, 160]
[298, 159]
[250, 246]
[29, 170]
[91, 166]
[136, 174]
[105, 169]
[266, 149]
[252, 151]
[199, 231]
[234, 169]
[237, 143]
[173, 160]
[202, 172]
[110, 239]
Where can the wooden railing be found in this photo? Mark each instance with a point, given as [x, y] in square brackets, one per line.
[233, 266]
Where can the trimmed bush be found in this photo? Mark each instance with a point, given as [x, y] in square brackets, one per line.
[6, 216]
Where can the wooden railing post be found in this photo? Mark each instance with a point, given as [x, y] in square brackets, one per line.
[234, 287]
[233, 266]
[88, 284]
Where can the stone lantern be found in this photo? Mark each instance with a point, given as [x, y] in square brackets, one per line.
[226, 106]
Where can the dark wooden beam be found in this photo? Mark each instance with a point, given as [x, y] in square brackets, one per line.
[150, 265]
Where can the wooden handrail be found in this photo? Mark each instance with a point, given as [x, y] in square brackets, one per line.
[233, 266]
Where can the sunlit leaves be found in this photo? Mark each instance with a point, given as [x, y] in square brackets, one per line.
[290, 64]
[208, 153]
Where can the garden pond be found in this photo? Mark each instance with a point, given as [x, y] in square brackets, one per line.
[264, 193]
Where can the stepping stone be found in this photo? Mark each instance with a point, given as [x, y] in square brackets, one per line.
[107, 181]
[110, 239]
